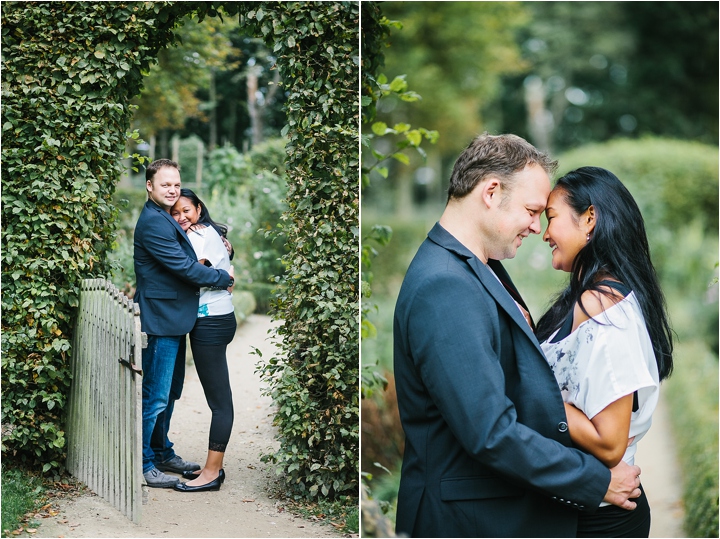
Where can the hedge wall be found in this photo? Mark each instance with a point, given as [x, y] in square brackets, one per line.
[69, 72]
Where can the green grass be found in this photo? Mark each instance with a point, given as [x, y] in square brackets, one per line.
[21, 494]
[342, 514]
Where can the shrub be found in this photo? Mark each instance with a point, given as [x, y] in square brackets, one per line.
[69, 71]
[673, 181]
[247, 192]
[693, 395]
[314, 378]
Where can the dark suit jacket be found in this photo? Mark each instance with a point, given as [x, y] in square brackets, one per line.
[487, 449]
[168, 274]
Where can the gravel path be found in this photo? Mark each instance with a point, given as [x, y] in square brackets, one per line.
[243, 506]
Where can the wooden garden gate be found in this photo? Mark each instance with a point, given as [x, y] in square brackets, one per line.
[105, 407]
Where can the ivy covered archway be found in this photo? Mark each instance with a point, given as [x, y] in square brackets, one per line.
[69, 72]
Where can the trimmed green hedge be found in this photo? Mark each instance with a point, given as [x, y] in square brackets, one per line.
[69, 71]
[692, 392]
[314, 381]
[673, 181]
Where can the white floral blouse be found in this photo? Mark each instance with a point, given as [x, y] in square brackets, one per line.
[608, 357]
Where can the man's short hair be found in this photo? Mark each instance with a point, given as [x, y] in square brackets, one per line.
[500, 156]
[156, 165]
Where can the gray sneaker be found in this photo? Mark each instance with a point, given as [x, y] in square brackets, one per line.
[177, 465]
[155, 478]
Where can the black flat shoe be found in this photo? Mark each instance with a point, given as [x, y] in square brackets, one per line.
[212, 485]
[196, 474]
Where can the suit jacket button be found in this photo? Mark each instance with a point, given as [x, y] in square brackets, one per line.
[562, 426]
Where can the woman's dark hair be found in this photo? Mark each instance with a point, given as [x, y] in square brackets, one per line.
[205, 218]
[618, 248]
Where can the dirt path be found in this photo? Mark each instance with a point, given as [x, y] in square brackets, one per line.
[243, 507]
[661, 479]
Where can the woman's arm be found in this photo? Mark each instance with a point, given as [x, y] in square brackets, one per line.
[606, 435]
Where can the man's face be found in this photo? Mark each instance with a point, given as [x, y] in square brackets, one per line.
[164, 188]
[517, 214]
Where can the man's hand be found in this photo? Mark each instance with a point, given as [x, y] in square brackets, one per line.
[227, 245]
[231, 271]
[624, 484]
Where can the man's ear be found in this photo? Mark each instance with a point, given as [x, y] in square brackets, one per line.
[490, 191]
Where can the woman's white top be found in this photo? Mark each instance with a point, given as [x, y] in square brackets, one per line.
[208, 244]
[608, 357]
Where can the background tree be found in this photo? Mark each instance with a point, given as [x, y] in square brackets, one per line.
[630, 76]
[560, 74]
[453, 54]
[170, 96]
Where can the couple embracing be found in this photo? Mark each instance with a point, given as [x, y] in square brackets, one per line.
[184, 284]
[515, 429]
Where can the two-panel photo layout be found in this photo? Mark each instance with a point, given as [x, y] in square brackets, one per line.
[359, 269]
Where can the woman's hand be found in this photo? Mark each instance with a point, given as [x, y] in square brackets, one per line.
[197, 226]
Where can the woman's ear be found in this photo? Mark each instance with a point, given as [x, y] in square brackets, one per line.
[200, 210]
[588, 219]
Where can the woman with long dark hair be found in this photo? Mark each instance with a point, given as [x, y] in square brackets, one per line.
[607, 335]
[213, 331]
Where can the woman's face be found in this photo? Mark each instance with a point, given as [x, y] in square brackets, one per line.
[566, 231]
[185, 213]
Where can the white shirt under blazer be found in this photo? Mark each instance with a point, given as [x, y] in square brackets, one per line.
[208, 245]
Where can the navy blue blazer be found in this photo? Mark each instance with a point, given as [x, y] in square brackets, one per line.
[487, 452]
[168, 274]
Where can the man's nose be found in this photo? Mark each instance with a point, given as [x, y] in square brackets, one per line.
[535, 227]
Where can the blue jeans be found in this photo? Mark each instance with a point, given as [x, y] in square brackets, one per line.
[158, 367]
[159, 441]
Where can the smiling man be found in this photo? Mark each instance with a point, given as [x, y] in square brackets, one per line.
[169, 278]
[487, 450]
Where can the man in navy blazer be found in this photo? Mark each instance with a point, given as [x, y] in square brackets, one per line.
[169, 278]
[487, 451]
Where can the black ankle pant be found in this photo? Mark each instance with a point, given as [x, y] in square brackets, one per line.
[208, 340]
[612, 521]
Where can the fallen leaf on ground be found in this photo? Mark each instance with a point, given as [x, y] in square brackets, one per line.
[247, 500]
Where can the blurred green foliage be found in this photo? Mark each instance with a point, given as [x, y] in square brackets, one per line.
[673, 181]
[693, 394]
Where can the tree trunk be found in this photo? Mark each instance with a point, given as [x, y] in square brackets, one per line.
[213, 112]
[253, 108]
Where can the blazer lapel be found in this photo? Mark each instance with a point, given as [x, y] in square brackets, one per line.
[484, 274]
[167, 216]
